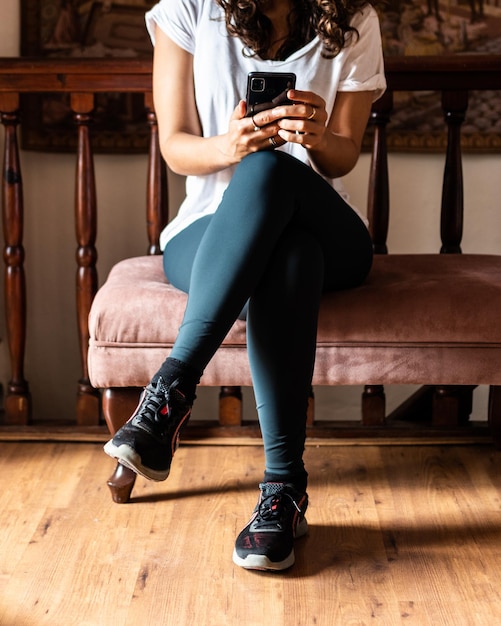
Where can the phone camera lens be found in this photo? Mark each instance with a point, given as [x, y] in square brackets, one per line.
[257, 84]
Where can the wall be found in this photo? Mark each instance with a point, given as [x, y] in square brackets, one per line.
[52, 360]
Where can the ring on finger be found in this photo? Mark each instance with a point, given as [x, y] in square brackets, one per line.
[272, 141]
[256, 127]
[313, 113]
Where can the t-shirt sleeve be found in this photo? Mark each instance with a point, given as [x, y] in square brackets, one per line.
[363, 66]
[177, 19]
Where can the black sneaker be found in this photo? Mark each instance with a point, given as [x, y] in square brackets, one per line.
[267, 542]
[147, 442]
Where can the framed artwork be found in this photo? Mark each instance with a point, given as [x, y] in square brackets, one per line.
[442, 27]
[106, 28]
[84, 28]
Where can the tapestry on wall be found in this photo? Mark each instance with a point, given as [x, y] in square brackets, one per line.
[84, 28]
[431, 27]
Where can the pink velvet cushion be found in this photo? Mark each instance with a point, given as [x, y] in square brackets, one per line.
[419, 299]
[137, 306]
[418, 318]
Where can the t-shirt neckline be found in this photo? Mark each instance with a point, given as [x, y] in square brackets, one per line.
[290, 59]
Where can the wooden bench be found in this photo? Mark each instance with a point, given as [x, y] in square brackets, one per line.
[429, 320]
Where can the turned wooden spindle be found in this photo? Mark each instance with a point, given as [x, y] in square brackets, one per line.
[378, 213]
[378, 199]
[452, 405]
[157, 197]
[86, 254]
[454, 106]
[18, 399]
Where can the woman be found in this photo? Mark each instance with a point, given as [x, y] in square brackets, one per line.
[264, 222]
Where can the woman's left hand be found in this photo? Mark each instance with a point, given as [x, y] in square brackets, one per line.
[305, 121]
[333, 138]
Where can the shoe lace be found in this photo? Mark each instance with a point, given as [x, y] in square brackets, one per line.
[154, 404]
[275, 504]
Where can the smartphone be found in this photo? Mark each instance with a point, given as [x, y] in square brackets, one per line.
[266, 90]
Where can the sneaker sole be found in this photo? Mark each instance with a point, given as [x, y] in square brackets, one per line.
[262, 563]
[130, 458]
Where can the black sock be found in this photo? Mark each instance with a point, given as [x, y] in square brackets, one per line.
[172, 370]
[299, 481]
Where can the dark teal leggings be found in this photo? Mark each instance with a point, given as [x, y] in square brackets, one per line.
[279, 239]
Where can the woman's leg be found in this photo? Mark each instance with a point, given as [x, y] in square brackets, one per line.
[325, 246]
[233, 255]
[270, 194]
[281, 340]
[334, 252]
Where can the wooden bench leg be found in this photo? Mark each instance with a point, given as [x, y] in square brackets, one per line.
[452, 405]
[121, 483]
[118, 406]
[373, 405]
[230, 406]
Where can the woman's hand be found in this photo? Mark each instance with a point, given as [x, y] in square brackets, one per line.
[250, 134]
[333, 139]
[305, 121]
[302, 122]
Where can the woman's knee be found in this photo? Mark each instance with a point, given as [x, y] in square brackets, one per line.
[264, 157]
[266, 165]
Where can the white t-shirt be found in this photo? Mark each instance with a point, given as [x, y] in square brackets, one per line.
[220, 76]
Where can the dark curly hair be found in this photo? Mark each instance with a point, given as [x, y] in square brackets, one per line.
[329, 19]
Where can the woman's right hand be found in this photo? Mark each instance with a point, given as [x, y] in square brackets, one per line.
[249, 134]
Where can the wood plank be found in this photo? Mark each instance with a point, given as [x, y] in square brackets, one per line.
[398, 535]
[435, 521]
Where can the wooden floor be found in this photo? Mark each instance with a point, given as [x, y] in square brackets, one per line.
[398, 535]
